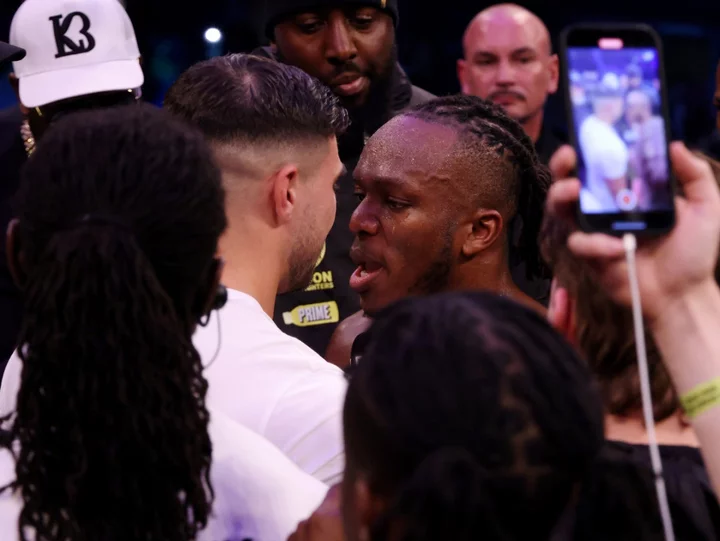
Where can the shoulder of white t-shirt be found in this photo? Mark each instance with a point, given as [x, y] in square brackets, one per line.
[245, 327]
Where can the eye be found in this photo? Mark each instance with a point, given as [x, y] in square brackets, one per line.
[359, 195]
[484, 60]
[309, 26]
[394, 204]
[361, 22]
[526, 59]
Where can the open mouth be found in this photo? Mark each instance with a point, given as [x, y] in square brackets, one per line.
[352, 87]
[364, 276]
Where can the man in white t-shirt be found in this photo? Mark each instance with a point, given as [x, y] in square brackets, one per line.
[605, 154]
[274, 130]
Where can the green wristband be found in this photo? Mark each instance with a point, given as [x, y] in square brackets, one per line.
[701, 398]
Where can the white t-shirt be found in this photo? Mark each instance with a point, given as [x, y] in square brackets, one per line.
[265, 380]
[259, 494]
[606, 157]
[275, 385]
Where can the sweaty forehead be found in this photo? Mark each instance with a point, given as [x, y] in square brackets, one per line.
[501, 32]
[409, 150]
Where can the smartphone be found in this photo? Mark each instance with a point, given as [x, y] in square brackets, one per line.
[617, 107]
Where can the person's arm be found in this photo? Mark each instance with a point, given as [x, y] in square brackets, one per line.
[687, 335]
[340, 346]
[306, 424]
[681, 300]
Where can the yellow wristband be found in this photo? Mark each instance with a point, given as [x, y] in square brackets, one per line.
[701, 398]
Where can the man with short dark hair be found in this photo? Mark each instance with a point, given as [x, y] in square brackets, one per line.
[273, 130]
[350, 46]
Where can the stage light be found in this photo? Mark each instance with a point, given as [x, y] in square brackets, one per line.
[213, 35]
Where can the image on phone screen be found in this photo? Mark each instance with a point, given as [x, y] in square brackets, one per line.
[619, 128]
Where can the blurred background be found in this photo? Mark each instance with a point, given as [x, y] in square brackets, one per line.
[172, 36]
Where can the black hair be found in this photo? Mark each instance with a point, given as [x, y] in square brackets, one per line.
[120, 211]
[249, 98]
[473, 417]
[41, 118]
[487, 128]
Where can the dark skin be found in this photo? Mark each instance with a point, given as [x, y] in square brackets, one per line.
[18, 270]
[348, 49]
[40, 118]
[418, 230]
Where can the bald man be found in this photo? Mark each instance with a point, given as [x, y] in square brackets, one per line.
[509, 60]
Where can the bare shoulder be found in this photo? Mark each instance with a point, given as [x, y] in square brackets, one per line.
[340, 346]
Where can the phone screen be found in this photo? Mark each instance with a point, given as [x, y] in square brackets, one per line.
[615, 88]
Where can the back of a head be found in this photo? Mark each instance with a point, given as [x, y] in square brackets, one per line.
[604, 333]
[253, 100]
[119, 216]
[509, 173]
[472, 418]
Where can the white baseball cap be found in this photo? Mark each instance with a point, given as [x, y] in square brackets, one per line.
[74, 48]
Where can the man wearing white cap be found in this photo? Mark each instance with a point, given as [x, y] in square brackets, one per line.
[81, 54]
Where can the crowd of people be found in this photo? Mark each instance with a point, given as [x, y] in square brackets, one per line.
[306, 300]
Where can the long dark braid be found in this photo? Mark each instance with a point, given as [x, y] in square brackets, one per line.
[468, 412]
[119, 212]
[490, 127]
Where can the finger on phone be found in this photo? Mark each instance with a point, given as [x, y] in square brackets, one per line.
[562, 198]
[595, 246]
[563, 162]
[694, 175]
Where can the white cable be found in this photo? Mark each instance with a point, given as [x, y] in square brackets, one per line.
[630, 243]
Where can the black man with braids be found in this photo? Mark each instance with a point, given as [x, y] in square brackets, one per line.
[119, 216]
[471, 418]
[451, 193]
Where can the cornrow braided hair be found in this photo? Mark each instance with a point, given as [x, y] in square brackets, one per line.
[488, 127]
[473, 417]
[120, 211]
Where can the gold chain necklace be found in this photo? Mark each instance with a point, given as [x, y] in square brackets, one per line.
[27, 137]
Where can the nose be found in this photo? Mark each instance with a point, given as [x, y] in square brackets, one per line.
[505, 73]
[340, 47]
[363, 221]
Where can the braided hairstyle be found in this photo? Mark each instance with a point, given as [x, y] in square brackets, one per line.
[472, 417]
[120, 211]
[489, 133]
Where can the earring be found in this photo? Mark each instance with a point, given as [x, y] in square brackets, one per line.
[220, 300]
[27, 137]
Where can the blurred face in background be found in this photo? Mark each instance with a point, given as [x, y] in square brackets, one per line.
[348, 49]
[508, 60]
[638, 107]
[608, 108]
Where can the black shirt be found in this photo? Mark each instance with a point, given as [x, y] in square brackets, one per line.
[12, 158]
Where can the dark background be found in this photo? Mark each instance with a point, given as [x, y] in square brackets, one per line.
[170, 35]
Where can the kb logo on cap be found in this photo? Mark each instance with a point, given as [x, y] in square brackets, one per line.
[65, 45]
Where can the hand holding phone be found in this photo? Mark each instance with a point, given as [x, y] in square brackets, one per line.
[668, 267]
[617, 106]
